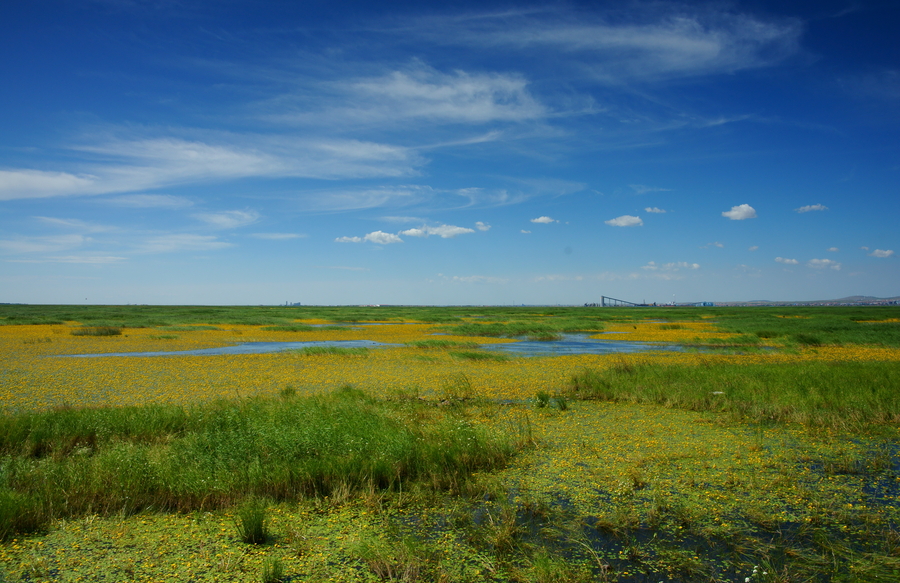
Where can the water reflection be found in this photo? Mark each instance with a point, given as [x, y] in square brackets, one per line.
[248, 348]
[567, 344]
[578, 344]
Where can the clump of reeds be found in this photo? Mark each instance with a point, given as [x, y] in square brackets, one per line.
[70, 462]
[838, 395]
[97, 331]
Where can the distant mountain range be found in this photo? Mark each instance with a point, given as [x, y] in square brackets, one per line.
[848, 301]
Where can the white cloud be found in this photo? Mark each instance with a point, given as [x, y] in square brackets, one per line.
[811, 207]
[482, 226]
[653, 209]
[348, 240]
[833, 249]
[382, 238]
[674, 266]
[77, 224]
[478, 279]
[668, 42]
[19, 184]
[824, 264]
[753, 248]
[278, 236]
[42, 244]
[396, 219]
[229, 219]
[786, 261]
[443, 231]
[428, 94]
[644, 189]
[524, 232]
[740, 212]
[625, 221]
[182, 242]
[881, 253]
[148, 201]
[78, 259]
[121, 165]
[544, 220]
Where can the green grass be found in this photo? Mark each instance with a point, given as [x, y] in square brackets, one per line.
[104, 461]
[332, 350]
[97, 331]
[441, 344]
[838, 395]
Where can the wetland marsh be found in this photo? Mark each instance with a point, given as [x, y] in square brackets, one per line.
[763, 449]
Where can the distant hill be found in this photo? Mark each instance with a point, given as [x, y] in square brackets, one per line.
[848, 301]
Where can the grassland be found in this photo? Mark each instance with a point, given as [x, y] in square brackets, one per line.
[766, 451]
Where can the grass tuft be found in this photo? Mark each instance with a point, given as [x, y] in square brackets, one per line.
[97, 331]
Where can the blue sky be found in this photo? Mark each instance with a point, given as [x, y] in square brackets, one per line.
[231, 152]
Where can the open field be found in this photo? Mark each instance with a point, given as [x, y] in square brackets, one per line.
[765, 450]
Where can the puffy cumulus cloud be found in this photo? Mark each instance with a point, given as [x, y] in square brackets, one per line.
[811, 207]
[674, 266]
[740, 212]
[382, 238]
[881, 253]
[653, 209]
[482, 226]
[625, 221]
[229, 219]
[544, 220]
[786, 261]
[442, 231]
[824, 264]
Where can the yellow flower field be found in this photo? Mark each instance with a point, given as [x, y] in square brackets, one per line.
[35, 375]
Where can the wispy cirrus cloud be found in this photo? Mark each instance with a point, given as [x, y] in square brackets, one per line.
[147, 201]
[665, 41]
[811, 207]
[124, 165]
[229, 219]
[277, 236]
[42, 244]
[644, 189]
[76, 259]
[674, 266]
[173, 243]
[786, 261]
